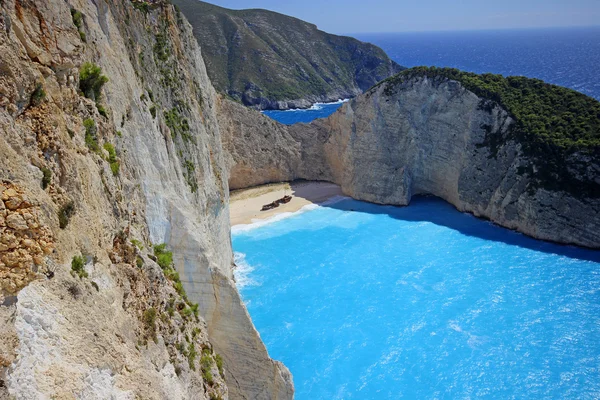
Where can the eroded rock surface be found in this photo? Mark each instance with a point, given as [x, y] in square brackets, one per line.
[24, 242]
[417, 136]
[90, 186]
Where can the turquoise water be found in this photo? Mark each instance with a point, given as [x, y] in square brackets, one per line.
[371, 302]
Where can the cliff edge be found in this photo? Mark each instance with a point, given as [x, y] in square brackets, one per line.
[517, 151]
[268, 60]
[115, 254]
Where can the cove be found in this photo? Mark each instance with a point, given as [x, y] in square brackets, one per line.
[294, 116]
[363, 301]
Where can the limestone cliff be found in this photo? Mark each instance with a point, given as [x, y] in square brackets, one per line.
[426, 135]
[94, 174]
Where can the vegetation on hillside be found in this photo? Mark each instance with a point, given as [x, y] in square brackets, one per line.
[78, 266]
[551, 122]
[78, 22]
[91, 81]
[257, 55]
[38, 95]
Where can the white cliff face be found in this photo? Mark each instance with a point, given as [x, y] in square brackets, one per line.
[421, 136]
[68, 339]
[426, 137]
[179, 148]
[259, 150]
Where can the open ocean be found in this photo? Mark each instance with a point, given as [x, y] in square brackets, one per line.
[564, 56]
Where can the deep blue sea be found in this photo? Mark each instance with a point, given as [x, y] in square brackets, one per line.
[564, 56]
[318, 110]
[363, 301]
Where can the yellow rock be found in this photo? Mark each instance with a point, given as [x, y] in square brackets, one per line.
[13, 202]
[16, 222]
[8, 193]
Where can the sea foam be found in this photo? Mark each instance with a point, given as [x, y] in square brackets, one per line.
[257, 223]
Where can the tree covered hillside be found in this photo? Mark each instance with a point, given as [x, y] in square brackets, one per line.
[553, 124]
[260, 57]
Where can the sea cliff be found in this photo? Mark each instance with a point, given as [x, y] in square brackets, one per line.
[95, 172]
[117, 157]
[424, 133]
[267, 60]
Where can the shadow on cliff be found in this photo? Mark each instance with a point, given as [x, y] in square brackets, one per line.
[439, 212]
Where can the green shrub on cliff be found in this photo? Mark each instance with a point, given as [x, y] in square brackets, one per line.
[178, 124]
[47, 177]
[141, 5]
[206, 365]
[192, 354]
[551, 123]
[77, 17]
[91, 81]
[77, 266]
[91, 140]
[102, 110]
[149, 319]
[38, 95]
[65, 213]
[161, 50]
[164, 258]
[219, 361]
[112, 158]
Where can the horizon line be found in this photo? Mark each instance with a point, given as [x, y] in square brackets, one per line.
[532, 28]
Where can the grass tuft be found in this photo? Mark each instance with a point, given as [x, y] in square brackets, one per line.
[77, 266]
[112, 158]
[47, 178]
[65, 213]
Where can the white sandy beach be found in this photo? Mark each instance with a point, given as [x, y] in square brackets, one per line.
[245, 204]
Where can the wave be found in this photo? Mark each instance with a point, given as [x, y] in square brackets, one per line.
[340, 101]
[242, 271]
[257, 223]
[314, 107]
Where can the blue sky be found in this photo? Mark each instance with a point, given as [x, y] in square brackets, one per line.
[357, 16]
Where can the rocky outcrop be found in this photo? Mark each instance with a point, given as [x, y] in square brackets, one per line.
[23, 240]
[422, 135]
[87, 310]
[259, 150]
[268, 60]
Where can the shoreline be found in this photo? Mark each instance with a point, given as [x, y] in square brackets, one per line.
[245, 204]
[314, 107]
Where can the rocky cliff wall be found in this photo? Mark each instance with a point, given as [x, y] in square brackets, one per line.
[420, 136]
[120, 327]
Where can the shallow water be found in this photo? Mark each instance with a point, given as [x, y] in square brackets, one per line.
[421, 302]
